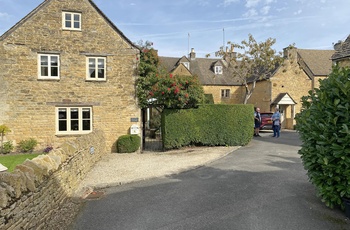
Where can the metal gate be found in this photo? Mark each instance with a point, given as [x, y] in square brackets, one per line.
[151, 132]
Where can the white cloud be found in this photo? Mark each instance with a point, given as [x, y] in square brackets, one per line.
[265, 10]
[251, 3]
[298, 12]
[250, 13]
[228, 2]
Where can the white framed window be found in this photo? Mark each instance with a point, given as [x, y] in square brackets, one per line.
[96, 68]
[218, 69]
[73, 120]
[48, 66]
[187, 64]
[71, 21]
[225, 93]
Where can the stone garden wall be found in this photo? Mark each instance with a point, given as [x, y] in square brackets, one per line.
[37, 188]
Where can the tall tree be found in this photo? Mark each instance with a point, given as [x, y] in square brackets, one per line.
[257, 61]
[157, 86]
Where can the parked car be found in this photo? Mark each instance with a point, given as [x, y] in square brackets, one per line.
[266, 122]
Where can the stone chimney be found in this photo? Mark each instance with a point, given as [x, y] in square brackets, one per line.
[192, 54]
[337, 46]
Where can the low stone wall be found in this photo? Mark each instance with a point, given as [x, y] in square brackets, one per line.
[37, 188]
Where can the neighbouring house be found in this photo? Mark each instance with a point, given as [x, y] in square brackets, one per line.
[301, 71]
[66, 70]
[342, 53]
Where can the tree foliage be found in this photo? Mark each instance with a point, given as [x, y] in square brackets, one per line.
[324, 127]
[156, 86]
[256, 61]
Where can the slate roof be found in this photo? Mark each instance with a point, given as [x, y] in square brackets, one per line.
[45, 2]
[204, 69]
[343, 51]
[317, 61]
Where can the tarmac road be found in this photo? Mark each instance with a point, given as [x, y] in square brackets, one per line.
[261, 186]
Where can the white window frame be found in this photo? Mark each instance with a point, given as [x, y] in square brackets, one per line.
[186, 64]
[96, 68]
[218, 69]
[49, 66]
[72, 20]
[225, 93]
[69, 120]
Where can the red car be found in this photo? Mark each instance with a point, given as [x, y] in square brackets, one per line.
[266, 122]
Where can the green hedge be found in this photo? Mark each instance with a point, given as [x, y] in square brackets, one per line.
[128, 143]
[209, 125]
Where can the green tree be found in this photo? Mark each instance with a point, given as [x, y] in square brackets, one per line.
[156, 86]
[256, 61]
[324, 127]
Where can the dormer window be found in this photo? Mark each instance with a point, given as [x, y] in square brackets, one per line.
[218, 69]
[187, 64]
[71, 21]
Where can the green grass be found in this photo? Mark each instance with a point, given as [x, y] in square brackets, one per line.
[10, 161]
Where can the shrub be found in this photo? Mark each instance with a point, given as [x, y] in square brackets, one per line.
[324, 127]
[208, 99]
[7, 147]
[128, 143]
[27, 145]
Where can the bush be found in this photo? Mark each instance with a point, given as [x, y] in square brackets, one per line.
[7, 147]
[208, 99]
[209, 125]
[27, 145]
[324, 127]
[128, 143]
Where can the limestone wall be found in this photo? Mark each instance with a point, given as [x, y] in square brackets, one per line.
[37, 188]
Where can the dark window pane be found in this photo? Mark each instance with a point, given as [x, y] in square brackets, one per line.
[44, 60]
[92, 63]
[86, 113]
[101, 63]
[92, 73]
[68, 17]
[44, 71]
[62, 125]
[76, 17]
[86, 124]
[74, 125]
[101, 73]
[68, 24]
[62, 114]
[54, 61]
[54, 71]
[76, 25]
[74, 113]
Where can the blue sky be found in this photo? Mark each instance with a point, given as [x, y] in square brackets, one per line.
[176, 26]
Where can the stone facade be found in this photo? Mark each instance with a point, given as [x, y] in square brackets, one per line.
[28, 104]
[38, 188]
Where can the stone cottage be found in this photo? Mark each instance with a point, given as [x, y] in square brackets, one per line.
[300, 72]
[66, 70]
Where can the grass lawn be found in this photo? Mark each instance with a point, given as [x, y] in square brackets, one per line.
[10, 161]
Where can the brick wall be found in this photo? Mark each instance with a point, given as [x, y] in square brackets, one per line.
[39, 187]
[27, 105]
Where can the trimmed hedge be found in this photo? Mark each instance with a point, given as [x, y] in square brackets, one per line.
[128, 143]
[209, 125]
